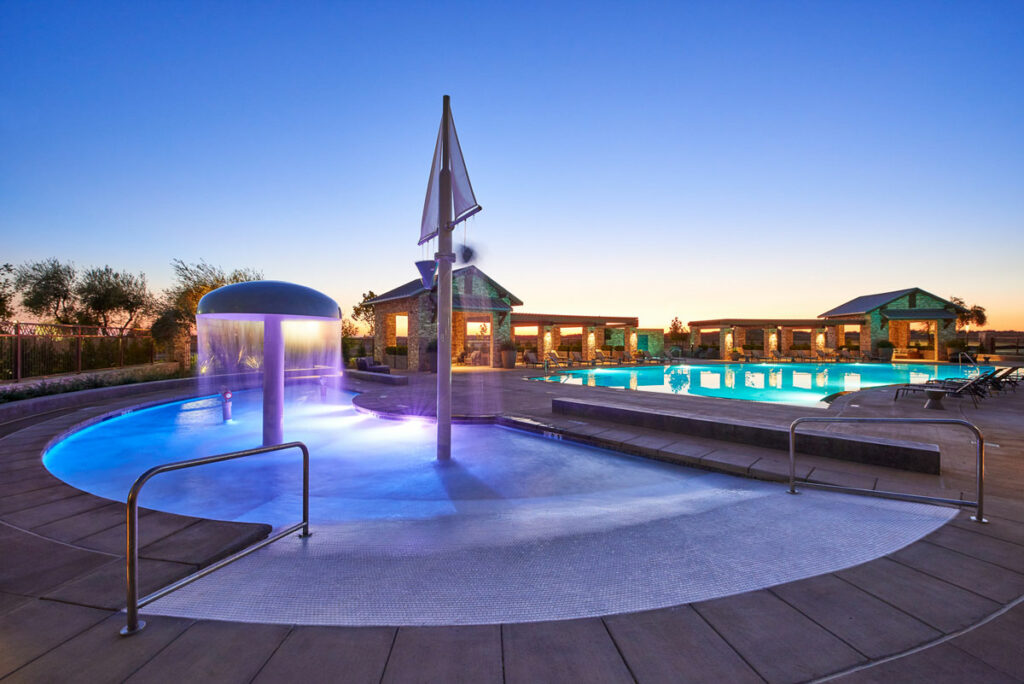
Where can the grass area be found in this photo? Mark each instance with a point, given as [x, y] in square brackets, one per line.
[77, 383]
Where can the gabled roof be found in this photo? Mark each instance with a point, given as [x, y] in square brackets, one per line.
[862, 305]
[414, 288]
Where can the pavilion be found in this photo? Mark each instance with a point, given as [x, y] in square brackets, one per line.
[896, 316]
[479, 299]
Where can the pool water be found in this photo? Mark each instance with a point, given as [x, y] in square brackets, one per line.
[516, 528]
[802, 384]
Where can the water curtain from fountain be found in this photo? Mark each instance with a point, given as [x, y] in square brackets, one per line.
[259, 333]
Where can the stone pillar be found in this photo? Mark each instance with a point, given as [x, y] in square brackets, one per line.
[589, 343]
[458, 334]
[627, 340]
[769, 335]
[556, 338]
[726, 342]
[867, 342]
[694, 338]
[785, 340]
[831, 337]
[412, 339]
[739, 337]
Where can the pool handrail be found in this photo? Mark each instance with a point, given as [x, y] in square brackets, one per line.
[979, 504]
[132, 623]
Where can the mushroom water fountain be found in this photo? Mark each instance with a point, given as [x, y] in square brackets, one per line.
[267, 329]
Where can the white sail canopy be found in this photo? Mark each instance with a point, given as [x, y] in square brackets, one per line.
[462, 190]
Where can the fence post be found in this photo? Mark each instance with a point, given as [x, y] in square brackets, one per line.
[120, 351]
[78, 349]
[17, 352]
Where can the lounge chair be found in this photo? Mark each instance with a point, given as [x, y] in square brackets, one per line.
[600, 358]
[825, 355]
[626, 358]
[530, 359]
[368, 364]
[577, 359]
[802, 355]
[973, 388]
[755, 355]
[776, 356]
[554, 360]
[847, 355]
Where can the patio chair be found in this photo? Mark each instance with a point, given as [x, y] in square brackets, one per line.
[973, 388]
[368, 364]
[554, 360]
[802, 355]
[755, 355]
[847, 355]
[627, 358]
[825, 355]
[600, 358]
[776, 356]
[530, 359]
[576, 358]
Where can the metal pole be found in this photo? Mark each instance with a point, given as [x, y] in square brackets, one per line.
[980, 515]
[445, 257]
[17, 352]
[792, 456]
[132, 623]
[305, 491]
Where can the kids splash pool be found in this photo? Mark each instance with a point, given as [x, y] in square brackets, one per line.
[516, 528]
[802, 384]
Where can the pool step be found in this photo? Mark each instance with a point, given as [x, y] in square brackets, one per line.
[917, 457]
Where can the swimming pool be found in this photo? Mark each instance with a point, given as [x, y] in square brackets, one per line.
[784, 383]
[516, 528]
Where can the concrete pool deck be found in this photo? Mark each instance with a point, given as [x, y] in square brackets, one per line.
[912, 604]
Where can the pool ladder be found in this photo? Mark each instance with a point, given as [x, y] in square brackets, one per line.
[978, 504]
[133, 624]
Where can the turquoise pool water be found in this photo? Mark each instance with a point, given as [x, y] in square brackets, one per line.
[786, 383]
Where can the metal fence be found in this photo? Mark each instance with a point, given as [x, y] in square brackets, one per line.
[34, 349]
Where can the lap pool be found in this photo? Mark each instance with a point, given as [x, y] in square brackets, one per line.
[516, 528]
[804, 384]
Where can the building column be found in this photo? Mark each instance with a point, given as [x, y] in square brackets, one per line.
[627, 340]
[726, 342]
[739, 337]
[785, 340]
[589, 338]
[866, 341]
[831, 337]
[771, 341]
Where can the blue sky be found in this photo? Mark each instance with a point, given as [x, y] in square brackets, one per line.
[692, 159]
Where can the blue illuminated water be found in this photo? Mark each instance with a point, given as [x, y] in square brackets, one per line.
[785, 383]
[362, 467]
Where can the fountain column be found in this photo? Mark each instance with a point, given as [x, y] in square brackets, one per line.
[273, 380]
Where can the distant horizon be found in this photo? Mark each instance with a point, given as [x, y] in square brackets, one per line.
[652, 160]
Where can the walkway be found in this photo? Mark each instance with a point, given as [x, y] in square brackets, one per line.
[942, 609]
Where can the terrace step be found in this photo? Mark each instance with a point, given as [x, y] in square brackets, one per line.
[900, 454]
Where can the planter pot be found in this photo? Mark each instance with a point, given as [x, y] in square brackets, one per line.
[508, 358]
[885, 353]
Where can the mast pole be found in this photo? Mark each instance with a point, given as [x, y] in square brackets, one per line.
[445, 258]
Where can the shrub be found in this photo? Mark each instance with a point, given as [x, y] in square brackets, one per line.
[507, 345]
[620, 347]
[885, 344]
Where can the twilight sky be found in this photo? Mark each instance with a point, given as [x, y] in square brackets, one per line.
[656, 159]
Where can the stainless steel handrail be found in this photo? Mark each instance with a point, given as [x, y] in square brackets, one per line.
[133, 624]
[979, 516]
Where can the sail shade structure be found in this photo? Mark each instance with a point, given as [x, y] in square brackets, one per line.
[462, 190]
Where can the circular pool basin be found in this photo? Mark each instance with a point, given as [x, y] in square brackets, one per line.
[516, 528]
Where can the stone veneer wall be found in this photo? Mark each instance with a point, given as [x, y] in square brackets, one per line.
[878, 329]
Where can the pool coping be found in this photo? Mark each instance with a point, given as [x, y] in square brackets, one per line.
[518, 658]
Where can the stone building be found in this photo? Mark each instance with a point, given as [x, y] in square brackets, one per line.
[479, 299]
[913, 320]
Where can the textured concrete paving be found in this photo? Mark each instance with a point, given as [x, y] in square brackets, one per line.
[945, 624]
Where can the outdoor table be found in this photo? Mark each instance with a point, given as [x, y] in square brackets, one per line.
[935, 397]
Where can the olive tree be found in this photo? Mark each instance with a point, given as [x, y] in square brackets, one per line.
[48, 289]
